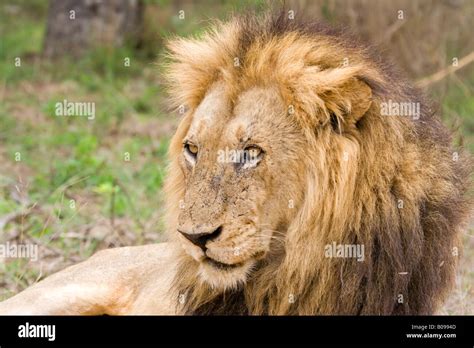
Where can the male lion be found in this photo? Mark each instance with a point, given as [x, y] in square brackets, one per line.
[284, 159]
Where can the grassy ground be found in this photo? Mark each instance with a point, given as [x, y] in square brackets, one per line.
[73, 186]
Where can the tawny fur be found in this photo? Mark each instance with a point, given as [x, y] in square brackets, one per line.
[356, 168]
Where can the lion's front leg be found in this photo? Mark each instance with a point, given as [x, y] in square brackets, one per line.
[115, 281]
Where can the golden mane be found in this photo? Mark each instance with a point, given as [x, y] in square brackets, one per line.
[402, 194]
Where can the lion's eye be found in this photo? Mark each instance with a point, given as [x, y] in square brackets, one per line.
[193, 149]
[190, 151]
[253, 152]
[253, 155]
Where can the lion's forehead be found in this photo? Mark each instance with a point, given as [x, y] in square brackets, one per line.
[217, 117]
[211, 111]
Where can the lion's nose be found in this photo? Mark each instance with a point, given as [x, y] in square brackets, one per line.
[201, 238]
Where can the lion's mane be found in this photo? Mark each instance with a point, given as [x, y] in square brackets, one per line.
[402, 195]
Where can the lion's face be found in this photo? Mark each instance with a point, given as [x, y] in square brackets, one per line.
[236, 201]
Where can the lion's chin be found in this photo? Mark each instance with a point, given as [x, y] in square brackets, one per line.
[223, 277]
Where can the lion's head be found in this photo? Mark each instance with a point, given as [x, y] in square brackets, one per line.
[282, 153]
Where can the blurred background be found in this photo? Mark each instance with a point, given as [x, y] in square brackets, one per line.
[73, 186]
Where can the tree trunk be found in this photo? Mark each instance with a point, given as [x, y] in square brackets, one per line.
[73, 26]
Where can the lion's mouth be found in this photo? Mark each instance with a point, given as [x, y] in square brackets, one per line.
[220, 265]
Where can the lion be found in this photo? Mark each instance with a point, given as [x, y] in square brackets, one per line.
[288, 156]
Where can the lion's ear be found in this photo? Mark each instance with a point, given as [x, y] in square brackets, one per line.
[360, 96]
[348, 103]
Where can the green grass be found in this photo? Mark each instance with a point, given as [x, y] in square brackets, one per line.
[73, 170]
[458, 108]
